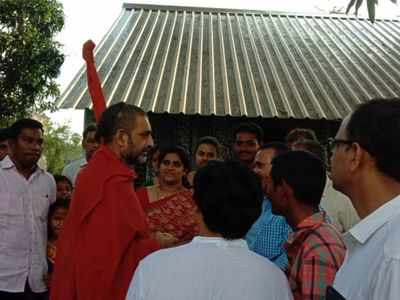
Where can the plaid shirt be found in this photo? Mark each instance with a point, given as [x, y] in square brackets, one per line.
[268, 235]
[315, 251]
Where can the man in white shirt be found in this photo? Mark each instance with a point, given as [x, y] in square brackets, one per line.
[26, 191]
[217, 264]
[89, 145]
[366, 167]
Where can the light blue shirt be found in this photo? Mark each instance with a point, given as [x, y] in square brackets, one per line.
[268, 235]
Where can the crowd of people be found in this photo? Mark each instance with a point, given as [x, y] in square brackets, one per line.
[288, 219]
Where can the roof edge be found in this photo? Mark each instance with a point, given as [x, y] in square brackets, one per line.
[130, 6]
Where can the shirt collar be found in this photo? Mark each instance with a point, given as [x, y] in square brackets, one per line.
[219, 241]
[266, 205]
[312, 221]
[7, 163]
[304, 227]
[369, 225]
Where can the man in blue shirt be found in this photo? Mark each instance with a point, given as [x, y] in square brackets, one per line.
[269, 233]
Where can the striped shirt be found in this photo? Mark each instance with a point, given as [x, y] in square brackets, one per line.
[316, 252]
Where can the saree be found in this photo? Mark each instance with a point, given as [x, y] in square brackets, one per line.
[174, 214]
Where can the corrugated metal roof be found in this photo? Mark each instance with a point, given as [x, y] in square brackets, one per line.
[229, 62]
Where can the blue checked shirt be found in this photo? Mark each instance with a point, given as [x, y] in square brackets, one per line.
[268, 235]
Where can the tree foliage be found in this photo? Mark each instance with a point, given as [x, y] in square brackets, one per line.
[30, 58]
[61, 145]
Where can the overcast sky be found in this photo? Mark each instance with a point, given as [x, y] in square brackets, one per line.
[90, 19]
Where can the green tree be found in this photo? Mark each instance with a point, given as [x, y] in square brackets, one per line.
[30, 58]
[61, 145]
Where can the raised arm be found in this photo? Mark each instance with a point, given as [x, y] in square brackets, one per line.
[95, 91]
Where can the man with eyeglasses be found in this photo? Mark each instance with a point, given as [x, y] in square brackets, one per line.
[3, 143]
[248, 138]
[366, 167]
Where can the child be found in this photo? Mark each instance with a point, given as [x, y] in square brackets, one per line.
[57, 213]
[64, 187]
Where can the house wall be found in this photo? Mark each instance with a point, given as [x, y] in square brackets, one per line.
[186, 130]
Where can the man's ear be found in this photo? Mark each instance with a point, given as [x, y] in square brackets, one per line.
[357, 156]
[121, 137]
[287, 191]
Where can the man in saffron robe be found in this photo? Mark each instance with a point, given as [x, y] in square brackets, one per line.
[105, 234]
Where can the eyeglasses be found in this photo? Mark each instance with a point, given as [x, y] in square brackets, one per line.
[332, 143]
[3, 146]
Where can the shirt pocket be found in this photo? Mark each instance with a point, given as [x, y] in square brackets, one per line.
[11, 216]
[11, 205]
[40, 207]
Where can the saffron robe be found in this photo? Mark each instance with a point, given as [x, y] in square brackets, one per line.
[104, 236]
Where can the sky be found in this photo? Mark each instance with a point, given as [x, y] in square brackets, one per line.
[90, 19]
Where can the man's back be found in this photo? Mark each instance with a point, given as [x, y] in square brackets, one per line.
[208, 268]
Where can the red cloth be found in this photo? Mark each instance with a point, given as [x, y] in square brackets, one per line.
[174, 214]
[94, 86]
[104, 236]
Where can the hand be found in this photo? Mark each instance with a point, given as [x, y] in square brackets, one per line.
[165, 239]
[87, 51]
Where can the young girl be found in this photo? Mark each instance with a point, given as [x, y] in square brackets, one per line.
[57, 213]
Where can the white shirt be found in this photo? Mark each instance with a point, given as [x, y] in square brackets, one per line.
[339, 208]
[371, 270]
[72, 169]
[208, 268]
[24, 206]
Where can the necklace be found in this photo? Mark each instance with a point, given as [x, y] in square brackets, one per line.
[163, 194]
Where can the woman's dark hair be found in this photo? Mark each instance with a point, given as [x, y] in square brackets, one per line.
[209, 140]
[60, 203]
[229, 196]
[303, 172]
[178, 150]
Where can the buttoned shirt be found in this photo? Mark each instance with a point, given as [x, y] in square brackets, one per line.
[208, 268]
[71, 170]
[315, 251]
[268, 235]
[371, 270]
[24, 205]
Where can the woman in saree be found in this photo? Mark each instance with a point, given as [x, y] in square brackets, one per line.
[169, 205]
